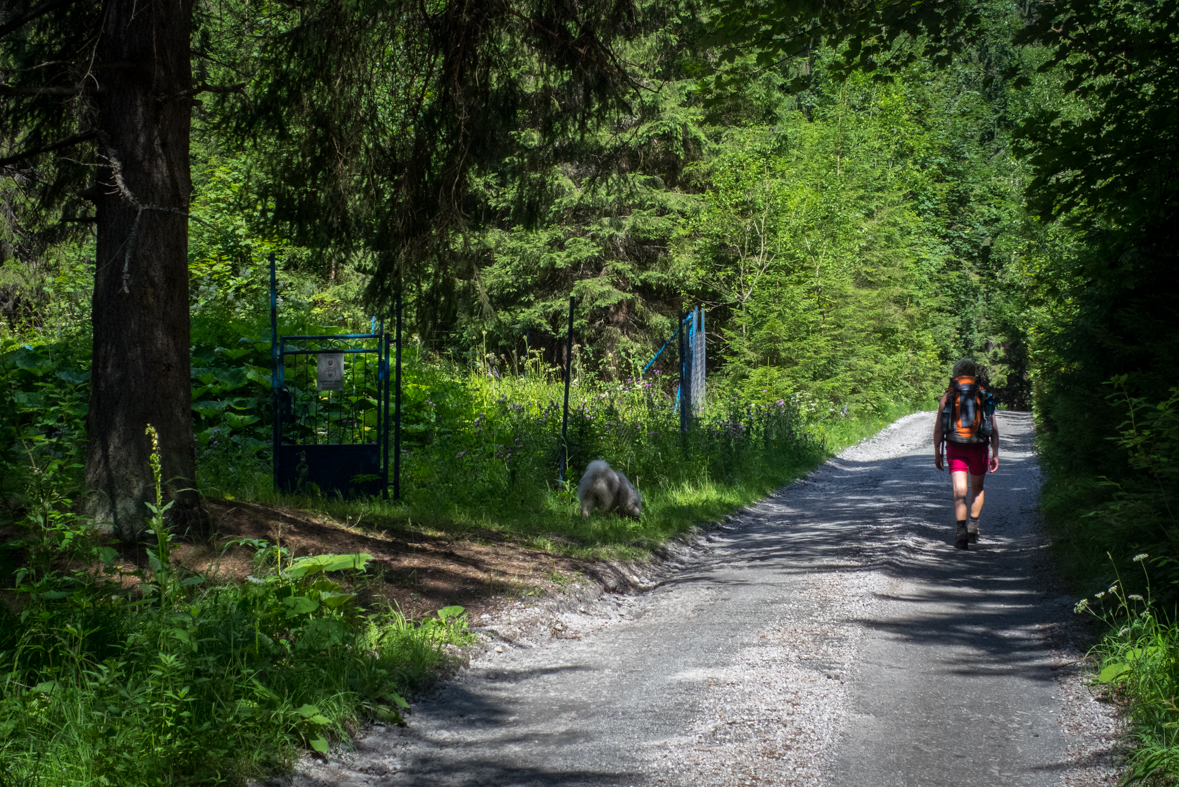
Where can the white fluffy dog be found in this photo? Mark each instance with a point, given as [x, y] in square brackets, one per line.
[605, 488]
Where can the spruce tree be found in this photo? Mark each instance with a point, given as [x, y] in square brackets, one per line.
[110, 86]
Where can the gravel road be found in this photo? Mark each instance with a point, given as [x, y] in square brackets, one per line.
[828, 636]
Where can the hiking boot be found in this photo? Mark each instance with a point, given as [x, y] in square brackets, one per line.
[972, 531]
[963, 537]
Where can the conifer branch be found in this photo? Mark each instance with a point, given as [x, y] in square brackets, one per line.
[51, 90]
[33, 13]
[76, 139]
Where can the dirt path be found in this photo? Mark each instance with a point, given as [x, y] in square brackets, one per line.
[830, 635]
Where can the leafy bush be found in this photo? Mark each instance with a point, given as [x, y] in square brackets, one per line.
[1131, 509]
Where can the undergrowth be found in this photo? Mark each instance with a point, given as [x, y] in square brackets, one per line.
[481, 452]
[1138, 662]
[155, 676]
[1104, 524]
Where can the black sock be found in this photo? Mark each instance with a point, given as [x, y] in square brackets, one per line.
[974, 519]
[961, 523]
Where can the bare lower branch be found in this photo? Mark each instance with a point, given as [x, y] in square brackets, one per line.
[78, 90]
[76, 139]
[205, 87]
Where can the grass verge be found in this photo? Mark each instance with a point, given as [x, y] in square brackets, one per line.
[497, 470]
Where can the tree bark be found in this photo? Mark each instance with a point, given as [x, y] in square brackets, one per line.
[140, 364]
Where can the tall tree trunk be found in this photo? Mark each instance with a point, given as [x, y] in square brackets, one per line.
[140, 366]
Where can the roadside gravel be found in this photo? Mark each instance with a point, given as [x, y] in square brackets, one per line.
[828, 635]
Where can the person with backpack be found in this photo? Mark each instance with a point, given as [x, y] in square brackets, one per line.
[966, 425]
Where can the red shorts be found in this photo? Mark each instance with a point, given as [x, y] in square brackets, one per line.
[967, 457]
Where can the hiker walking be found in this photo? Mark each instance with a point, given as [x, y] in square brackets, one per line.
[965, 425]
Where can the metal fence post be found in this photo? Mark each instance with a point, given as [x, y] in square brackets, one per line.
[397, 406]
[702, 358]
[382, 411]
[685, 375]
[563, 458]
[276, 416]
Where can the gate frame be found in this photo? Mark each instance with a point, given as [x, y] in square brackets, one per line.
[330, 456]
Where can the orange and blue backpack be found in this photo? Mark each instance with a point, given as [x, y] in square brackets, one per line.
[969, 413]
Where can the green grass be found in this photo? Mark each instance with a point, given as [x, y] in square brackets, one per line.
[489, 462]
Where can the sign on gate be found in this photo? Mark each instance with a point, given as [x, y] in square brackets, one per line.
[331, 430]
[330, 372]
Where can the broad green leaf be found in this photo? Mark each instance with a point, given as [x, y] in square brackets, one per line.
[315, 563]
[333, 600]
[237, 421]
[73, 377]
[1112, 671]
[300, 605]
[234, 354]
[209, 406]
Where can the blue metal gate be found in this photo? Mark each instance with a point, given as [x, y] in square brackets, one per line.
[331, 406]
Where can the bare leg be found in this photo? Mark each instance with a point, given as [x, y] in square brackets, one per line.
[960, 490]
[976, 492]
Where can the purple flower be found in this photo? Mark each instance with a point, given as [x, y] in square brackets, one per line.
[459, 454]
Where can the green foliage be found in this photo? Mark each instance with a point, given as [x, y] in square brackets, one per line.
[1109, 151]
[43, 393]
[1132, 509]
[480, 450]
[1102, 278]
[1139, 660]
[806, 240]
[161, 677]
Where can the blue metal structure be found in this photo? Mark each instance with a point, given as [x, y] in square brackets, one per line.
[689, 396]
[333, 441]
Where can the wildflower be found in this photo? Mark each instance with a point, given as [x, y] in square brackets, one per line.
[1135, 597]
[1082, 605]
[1124, 631]
[1099, 595]
[1140, 557]
[459, 454]
[1112, 588]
